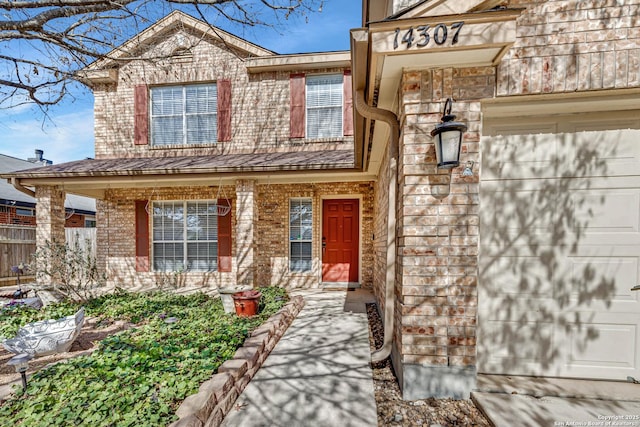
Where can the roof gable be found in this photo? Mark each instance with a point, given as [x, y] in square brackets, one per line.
[174, 22]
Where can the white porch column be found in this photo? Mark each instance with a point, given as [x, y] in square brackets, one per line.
[246, 215]
[50, 219]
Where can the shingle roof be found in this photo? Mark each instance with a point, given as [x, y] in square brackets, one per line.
[9, 192]
[220, 163]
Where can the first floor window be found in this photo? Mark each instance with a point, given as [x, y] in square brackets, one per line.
[185, 236]
[184, 114]
[300, 234]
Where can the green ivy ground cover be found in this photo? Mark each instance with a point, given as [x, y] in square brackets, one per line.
[139, 376]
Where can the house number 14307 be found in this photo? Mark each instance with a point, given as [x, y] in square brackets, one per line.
[421, 36]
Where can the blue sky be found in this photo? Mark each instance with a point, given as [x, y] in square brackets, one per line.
[67, 133]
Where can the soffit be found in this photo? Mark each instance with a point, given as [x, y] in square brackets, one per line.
[304, 61]
[482, 39]
[445, 7]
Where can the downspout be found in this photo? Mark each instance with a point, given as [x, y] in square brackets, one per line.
[390, 119]
[22, 188]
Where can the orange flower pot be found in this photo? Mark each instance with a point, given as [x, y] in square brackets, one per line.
[246, 303]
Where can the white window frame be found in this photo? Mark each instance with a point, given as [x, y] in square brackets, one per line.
[212, 259]
[89, 221]
[25, 212]
[296, 236]
[185, 115]
[334, 131]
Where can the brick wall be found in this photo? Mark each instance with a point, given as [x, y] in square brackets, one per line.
[116, 238]
[272, 251]
[381, 210]
[50, 219]
[8, 215]
[438, 221]
[116, 234]
[577, 45]
[260, 103]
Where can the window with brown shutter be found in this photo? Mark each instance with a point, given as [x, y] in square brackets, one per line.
[141, 115]
[224, 110]
[324, 105]
[191, 236]
[347, 118]
[142, 236]
[298, 105]
[224, 240]
[182, 115]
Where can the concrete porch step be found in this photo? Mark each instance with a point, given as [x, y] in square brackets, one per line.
[558, 387]
[339, 286]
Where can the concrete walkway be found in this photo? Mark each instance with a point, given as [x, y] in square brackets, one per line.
[319, 373]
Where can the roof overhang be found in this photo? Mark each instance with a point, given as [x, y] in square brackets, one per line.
[93, 177]
[305, 61]
[380, 56]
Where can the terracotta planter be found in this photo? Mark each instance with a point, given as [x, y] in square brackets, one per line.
[246, 303]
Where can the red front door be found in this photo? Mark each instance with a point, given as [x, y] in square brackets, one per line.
[340, 230]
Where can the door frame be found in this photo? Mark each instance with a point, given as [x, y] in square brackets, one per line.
[357, 197]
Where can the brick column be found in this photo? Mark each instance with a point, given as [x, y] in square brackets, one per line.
[50, 217]
[435, 352]
[246, 215]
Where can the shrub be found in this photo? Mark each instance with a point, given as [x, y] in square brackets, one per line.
[139, 376]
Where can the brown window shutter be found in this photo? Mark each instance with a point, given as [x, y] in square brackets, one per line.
[142, 236]
[224, 110]
[141, 112]
[298, 105]
[224, 239]
[347, 113]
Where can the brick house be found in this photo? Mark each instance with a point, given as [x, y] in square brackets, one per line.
[19, 208]
[519, 261]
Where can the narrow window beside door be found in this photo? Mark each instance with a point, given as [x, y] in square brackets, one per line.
[300, 235]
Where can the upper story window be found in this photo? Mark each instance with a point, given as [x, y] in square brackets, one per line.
[321, 106]
[324, 106]
[184, 114]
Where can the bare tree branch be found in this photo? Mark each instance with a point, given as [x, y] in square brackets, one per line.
[44, 43]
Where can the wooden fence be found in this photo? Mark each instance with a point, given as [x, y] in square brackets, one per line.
[18, 244]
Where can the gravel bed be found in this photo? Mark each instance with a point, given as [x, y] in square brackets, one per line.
[393, 411]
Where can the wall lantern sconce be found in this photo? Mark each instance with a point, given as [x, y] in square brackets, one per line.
[448, 138]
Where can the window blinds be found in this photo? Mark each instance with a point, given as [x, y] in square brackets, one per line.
[184, 114]
[324, 106]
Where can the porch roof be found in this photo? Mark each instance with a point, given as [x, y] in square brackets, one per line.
[91, 177]
[218, 163]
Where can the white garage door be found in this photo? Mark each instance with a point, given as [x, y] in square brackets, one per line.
[560, 247]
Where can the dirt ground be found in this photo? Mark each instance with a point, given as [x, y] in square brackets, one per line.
[87, 341]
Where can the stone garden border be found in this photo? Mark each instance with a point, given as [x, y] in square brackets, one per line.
[216, 397]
